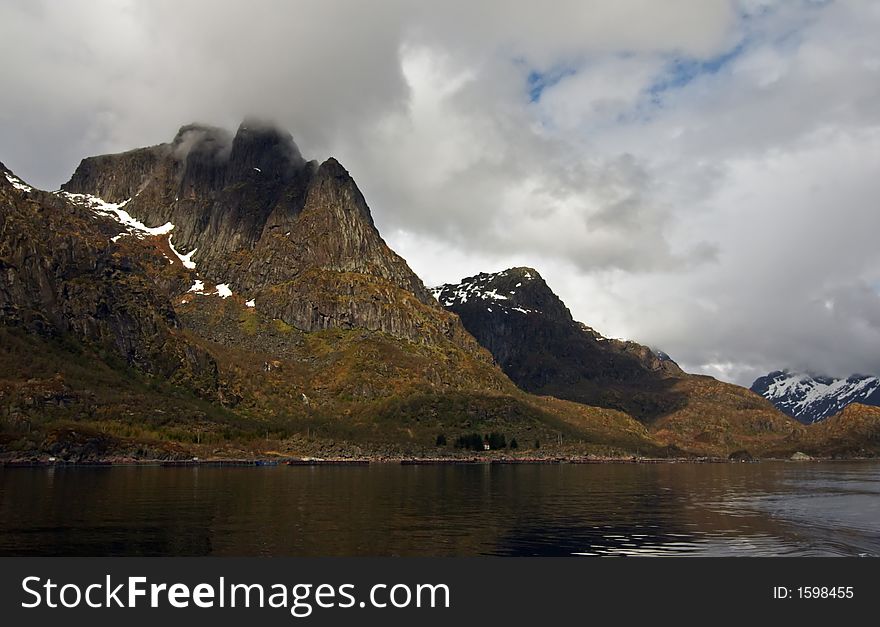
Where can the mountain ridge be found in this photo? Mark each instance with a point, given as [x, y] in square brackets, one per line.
[814, 398]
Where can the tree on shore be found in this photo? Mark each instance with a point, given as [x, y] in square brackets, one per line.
[470, 441]
[497, 441]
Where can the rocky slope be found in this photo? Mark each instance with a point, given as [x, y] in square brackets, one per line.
[64, 276]
[810, 398]
[538, 344]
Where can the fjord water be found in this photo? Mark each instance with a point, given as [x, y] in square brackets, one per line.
[385, 509]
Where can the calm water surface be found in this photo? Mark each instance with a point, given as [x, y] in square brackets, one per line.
[665, 509]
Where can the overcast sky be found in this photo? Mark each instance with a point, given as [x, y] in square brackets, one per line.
[699, 175]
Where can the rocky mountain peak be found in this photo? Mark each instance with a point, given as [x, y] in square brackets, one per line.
[201, 137]
[210, 158]
[520, 291]
[249, 212]
[538, 344]
[263, 149]
[333, 179]
[332, 169]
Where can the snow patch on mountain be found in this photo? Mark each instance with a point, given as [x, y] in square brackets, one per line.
[186, 259]
[115, 210]
[17, 183]
[221, 289]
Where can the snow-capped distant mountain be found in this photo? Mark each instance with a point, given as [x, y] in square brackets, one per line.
[812, 398]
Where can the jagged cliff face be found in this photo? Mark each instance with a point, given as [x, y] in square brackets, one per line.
[260, 219]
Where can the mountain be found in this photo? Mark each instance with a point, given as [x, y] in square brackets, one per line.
[220, 295]
[810, 398]
[535, 340]
[538, 344]
[852, 432]
[256, 217]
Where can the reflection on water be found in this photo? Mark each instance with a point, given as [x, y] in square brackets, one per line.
[665, 509]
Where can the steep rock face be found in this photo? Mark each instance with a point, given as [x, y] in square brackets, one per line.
[332, 230]
[259, 218]
[118, 177]
[538, 344]
[61, 275]
[217, 190]
[321, 299]
[810, 398]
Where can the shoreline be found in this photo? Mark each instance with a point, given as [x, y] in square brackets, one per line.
[400, 461]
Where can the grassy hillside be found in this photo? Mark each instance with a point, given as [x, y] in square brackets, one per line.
[854, 432]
